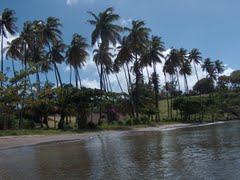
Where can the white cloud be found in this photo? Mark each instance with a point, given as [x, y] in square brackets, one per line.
[90, 83]
[9, 39]
[71, 2]
[92, 80]
[125, 22]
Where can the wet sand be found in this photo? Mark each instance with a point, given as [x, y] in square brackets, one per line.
[8, 142]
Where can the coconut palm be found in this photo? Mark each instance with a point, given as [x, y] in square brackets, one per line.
[138, 41]
[185, 70]
[7, 26]
[124, 57]
[169, 68]
[185, 66]
[103, 58]
[77, 55]
[55, 56]
[152, 57]
[51, 36]
[13, 52]
[219, 67]
[209, 67]
[195, 58]
[105, 29]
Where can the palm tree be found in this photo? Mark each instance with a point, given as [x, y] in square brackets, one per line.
[55, 56]
[170, 68]
[105, 31]
[209, 67]
[219, 67]
[185, 70]
[7, 25]
[13, 51]
[195, 58]
[152, 57]
[138, 40]
[51, 36]
[77, 55]
[185, 66]
[103, 57]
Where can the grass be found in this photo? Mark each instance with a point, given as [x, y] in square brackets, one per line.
[33, 132]
[103, 127]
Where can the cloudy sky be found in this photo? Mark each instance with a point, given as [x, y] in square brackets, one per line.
[212, 26]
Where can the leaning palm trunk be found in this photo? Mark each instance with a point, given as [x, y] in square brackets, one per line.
[127, 81]
[76, 77]
[13, 68]
[148, 75]
[165, 79]
[119, 84]
[70, 75]
[79, 78]
[156, 94]
[194, 64]
[131, 91]
[58, 74]
[186, 83]
[2, 53]
[110, 86]
[179, 87]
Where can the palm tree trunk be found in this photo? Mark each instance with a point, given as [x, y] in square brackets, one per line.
[148, 74]
[13, 68]
[156, 94]
[76, 77]
[186, 83]
[38, 80]
[119, 84]
[179, 88]
[80, 81]
[131, 91]
[2, 53]
[56, 77]
[165, 78]
[70, 75]
[127, 81]
[110, 85]
[196, 71]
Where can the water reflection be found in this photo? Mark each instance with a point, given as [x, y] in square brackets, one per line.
[211, 152]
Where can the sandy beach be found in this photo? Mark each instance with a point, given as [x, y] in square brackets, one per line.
[8, 142]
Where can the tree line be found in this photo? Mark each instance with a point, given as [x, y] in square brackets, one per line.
[39, 49]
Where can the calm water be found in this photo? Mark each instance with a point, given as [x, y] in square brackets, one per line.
[210, 152]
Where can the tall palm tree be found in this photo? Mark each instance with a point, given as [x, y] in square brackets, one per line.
[77, 55]
[106, 31]
[105, 28]
[123, 58]
[138, 41]
[170, 68]
[185, 66]
[152, 57]
[7, 26]
[185, 70]
[55, 56]
[103, 58]
[209, 67]
[51, 36]
[219, 67]
[13, 51]
[195, 58]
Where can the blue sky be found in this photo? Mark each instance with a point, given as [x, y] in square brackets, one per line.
[210, 25]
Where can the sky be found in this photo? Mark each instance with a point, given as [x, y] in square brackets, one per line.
[212, 26]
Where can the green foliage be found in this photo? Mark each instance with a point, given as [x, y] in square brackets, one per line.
[204, 86]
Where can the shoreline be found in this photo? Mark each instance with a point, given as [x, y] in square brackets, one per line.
[11, 142]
